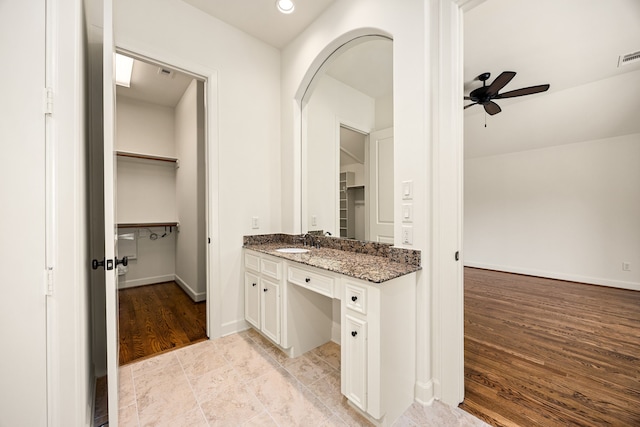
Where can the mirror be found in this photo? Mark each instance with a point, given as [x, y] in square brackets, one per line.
[347, 143]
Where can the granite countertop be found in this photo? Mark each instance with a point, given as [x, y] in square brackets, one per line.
[372, 268]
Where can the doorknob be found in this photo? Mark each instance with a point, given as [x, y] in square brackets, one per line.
[124, 261]
[107, 264]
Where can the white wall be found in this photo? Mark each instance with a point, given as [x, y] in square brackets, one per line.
[406, 22]
[248, 135]
[143, 127]
[331, 103]
[568, 212]
[190, 273]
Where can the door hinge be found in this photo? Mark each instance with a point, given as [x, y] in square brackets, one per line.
[48, 281]
[48, 100]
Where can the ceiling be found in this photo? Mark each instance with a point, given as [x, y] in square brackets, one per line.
[261, 19]
[150, 84]
[574, 46]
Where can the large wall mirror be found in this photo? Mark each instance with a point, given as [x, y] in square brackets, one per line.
[347, 143]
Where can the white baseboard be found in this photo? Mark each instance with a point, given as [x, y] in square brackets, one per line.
[234, 326]
[556, 275]
[195, 296]
[124, 284]
[424, 392]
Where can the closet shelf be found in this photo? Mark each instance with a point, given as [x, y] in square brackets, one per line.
[146, 157]
[147, 224]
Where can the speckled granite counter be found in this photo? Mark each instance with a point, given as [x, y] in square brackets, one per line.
[370, 261]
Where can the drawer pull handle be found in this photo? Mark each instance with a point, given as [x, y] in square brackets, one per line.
[354, 333]
[354, 298]
[308, 279]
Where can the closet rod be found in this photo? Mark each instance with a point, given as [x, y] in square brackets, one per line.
[147, 224]
[146, 156]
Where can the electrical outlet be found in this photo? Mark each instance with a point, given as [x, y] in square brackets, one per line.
[255, 222]
[626, 266]
[407, 235]
[314, 220]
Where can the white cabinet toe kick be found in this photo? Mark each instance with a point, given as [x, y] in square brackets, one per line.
[299, 308]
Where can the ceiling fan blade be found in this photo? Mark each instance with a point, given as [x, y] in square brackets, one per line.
[492, 108]
[524, 91]
[500, 82]
[470, 105]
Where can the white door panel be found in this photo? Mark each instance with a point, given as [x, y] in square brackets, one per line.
[381, 186]
[110, 232]
[23, 320]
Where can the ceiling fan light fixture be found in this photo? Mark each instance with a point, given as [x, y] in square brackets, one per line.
[285, 6]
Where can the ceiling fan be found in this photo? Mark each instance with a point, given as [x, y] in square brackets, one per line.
[486, 94]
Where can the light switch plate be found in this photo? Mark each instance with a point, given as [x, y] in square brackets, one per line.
[314, 220]
[407, 212]
[255, 222]
[407, 190]
[407, 235]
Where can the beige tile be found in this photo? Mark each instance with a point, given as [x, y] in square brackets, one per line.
[160, 362]
[330, 353]
[128, 416]
[193, 418]
[235, 406]
[165, 401]
[404, 421]
[126, 392]
[262, 420]
[201, 358]
[276, 388]
[351, 416]
[303, 409]
[440, 414]
[213, 382]
[288, 401]
[151, 379]
[327, 389]
[334, 421]
[253, 363]
[308, 369]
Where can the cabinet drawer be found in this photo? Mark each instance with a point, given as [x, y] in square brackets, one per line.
[270, 268]
[252, 262]
[356, 297]
[310, 280]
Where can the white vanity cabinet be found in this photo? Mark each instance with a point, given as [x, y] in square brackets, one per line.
[263, 300]
[378, 346]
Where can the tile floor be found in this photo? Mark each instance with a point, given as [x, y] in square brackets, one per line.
[244, 380]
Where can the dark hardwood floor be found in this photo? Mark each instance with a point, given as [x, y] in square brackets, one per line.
[543, 352]
[158, 318]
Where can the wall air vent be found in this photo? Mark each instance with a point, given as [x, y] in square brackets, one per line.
[165, 72]
[628, 59]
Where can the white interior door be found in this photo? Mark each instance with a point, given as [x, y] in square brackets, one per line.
[110, 232]
[381, 201]
[23, 316]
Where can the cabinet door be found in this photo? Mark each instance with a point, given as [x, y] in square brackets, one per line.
[252, 299]
[270, 309]
[355, 343]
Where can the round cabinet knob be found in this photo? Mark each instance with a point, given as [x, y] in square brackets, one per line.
[265, 290]
[354, 333]
[354, 298]
[308, 279]
[253, 284]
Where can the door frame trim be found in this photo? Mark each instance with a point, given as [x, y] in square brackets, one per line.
[210, 77]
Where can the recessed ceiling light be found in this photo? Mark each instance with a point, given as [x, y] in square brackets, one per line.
[124, 67]
[285, 6]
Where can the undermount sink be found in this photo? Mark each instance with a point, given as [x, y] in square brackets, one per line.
[292, 250]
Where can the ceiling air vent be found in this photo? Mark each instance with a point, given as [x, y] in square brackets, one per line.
[165, 72]
[628, 59]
